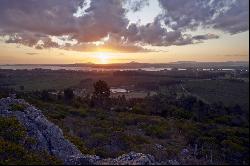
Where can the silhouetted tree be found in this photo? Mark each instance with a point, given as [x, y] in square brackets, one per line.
[59, 96]
[101, 89]
[21, 87]
[101, 93]
[236, 110]
[68, 94]
[45, 95]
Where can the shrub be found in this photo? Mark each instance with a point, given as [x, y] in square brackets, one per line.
[231, 146]
[18, 107]
[159, 131]
[135, 140]
[180, 113]
[226, 119]
[101, 137]
[78, 112]
[11, 129]
[68, 94]
[15, 154]
[78, 142]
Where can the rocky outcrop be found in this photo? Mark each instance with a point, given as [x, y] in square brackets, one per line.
[49, 137]
[129, 159]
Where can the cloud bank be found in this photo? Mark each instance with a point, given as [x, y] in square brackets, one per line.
[101, 25]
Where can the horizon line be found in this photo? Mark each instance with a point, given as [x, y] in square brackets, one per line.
[77, 63]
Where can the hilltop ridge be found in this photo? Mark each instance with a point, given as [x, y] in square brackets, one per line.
[49, 137]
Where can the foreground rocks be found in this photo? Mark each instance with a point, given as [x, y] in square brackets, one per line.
[49, 137]
[130, 159]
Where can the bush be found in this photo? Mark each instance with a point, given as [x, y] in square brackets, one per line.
[78, 142]
[135, 140]
[138, 109]
[68, 94]
[15, 154]
[78, 112]
[182, 114]
[159, 131]
[18, 107]
[11, 129]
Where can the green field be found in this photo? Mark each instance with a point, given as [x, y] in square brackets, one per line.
[44, 80]
[226, 91]
[34, 80]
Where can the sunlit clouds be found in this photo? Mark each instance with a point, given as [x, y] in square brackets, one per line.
[129, 29]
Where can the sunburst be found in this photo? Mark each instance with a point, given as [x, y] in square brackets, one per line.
[102, 58]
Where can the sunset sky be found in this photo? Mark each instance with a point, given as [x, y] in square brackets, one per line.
[118, 31]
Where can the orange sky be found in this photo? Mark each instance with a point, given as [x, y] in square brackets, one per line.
[112, 31]
[229, 48]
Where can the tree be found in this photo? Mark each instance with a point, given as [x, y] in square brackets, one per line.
[68, 94]
[101, 93]
[101, 89]
[45, 95]
[21, 87]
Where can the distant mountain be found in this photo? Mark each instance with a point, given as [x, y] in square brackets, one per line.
[186, 64]
[181, 62]
[133, 62]
[134, 65]
[210, 64]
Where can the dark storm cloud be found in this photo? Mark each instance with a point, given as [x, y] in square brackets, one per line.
[32, 39]
[28, 22]
[236, 19]
[46, 16]
[24, 21]
[225, 15]
[103, 17]
[205, 37]
[155, 35]
[34, 22]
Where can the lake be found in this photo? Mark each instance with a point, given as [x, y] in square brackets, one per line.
[51, 67]
[118, 90]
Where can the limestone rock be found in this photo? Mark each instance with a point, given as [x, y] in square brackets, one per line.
[49, 137]
[130, 159]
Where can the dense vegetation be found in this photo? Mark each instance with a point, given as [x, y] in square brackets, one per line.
[230, 92]
[163, 125]
[214, 132]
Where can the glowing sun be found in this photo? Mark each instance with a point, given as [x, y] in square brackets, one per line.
[102, 58]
